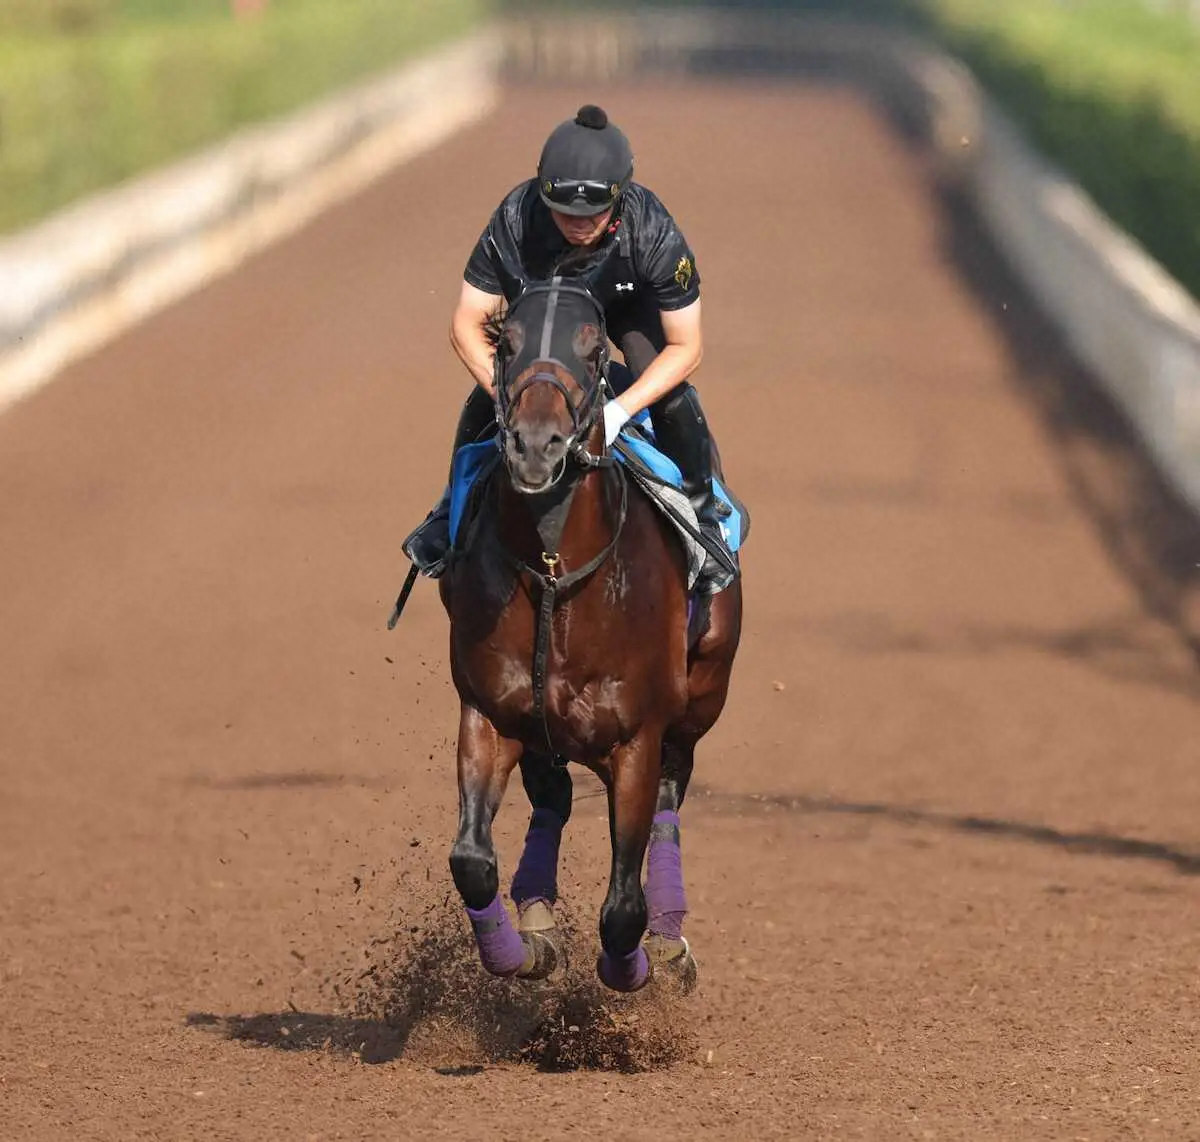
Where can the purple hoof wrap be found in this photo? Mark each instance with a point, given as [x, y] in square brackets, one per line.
[501, 950]
[537, 874]
[624, 973]
[665, 901]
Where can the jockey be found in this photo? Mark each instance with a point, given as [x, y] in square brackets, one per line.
[584, 216]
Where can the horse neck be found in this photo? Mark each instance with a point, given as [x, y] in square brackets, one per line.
[583, 505]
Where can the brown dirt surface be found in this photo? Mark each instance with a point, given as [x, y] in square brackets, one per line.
[942, 848]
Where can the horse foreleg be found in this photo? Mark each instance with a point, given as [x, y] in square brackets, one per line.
[665, 897]
[535, 884]
[485, 762]
[666, 902]
[549, 789]
[632, 785]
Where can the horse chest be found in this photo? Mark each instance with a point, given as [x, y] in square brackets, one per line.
[586, 703]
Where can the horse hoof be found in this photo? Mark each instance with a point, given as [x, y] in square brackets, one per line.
[672, 962]
[536, 916]
[542, 954]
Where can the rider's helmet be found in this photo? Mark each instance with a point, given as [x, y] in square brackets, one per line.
[586, 163]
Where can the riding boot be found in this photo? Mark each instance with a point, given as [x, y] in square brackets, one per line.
[681, 431]
[429, 545]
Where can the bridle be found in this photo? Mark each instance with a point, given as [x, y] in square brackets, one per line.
[550, 579]
[584, 411]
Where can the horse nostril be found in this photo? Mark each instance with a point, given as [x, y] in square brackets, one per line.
[518, 443]
[556, 439]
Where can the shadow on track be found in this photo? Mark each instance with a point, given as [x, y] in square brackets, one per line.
[1090, 844]
[370, 1040]
[1117, 647]
[425, 1000]
[299, 779]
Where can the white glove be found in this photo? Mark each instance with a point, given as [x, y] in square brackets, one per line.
[615, 418]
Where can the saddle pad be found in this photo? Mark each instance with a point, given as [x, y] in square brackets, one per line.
[473, 461]
[470, 462]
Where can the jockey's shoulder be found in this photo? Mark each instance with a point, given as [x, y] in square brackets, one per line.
[518, 199]
[641, 207]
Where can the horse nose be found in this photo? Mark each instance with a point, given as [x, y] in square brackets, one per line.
[538, 445]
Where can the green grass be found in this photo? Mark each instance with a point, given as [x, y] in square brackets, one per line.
[93, 92]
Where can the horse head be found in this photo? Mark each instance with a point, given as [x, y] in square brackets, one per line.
[551, 363]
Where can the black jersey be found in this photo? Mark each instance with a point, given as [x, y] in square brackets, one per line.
[642, 256]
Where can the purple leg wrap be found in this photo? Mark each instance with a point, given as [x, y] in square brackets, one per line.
[537, 875]
[501, 950]
[624, 973]
[665, 901]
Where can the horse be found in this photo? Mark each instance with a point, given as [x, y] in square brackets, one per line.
[569, 642]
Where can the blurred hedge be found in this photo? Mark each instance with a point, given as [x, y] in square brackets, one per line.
[1111, 90]
[886, 9]
[94, 91]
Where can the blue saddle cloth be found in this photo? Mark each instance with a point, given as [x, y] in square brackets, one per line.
[475, 460]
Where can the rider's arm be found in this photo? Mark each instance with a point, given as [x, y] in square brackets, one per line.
[666, 266]
[673, 366]
[467, 334]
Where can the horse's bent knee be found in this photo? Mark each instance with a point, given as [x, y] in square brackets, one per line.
[475, 874]
[622, 922]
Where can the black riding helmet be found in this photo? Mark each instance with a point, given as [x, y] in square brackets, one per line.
[586, 163]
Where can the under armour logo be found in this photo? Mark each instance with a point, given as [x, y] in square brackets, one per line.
[620, 287]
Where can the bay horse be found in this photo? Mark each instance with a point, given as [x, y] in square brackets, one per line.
[569, 642]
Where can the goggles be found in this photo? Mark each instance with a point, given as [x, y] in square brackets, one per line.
[575, 192]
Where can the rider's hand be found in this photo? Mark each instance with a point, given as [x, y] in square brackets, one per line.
[615, 417]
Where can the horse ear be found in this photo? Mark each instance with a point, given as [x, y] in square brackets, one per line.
[586, 341]
[513, 338]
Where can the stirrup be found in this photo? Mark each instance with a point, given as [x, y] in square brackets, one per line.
[429, 544]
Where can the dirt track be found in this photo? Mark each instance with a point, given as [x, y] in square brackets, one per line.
[941, 858]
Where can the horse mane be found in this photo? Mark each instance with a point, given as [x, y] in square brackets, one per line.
[493, 326]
